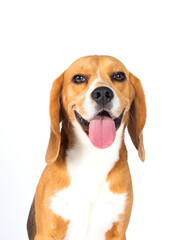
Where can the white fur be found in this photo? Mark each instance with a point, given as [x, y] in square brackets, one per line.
[88, 202]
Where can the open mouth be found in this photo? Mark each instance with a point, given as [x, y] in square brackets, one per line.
[85, 124]
[101, 129]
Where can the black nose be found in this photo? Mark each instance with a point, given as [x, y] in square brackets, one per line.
[102, 95]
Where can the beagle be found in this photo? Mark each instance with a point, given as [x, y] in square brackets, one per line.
[85, 191]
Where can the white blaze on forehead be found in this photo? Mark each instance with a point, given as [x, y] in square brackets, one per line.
[90, 105]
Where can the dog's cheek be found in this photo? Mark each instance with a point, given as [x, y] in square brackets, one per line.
[80, 106]
[89, 108]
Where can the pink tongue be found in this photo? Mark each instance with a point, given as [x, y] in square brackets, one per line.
[102, 131]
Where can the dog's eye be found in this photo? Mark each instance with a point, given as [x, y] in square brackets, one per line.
[118, 76]
[79, 79]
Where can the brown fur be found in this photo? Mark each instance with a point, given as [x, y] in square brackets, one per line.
[42, 222]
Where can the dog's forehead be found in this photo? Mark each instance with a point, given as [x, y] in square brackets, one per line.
[91, 65]
[110, 64]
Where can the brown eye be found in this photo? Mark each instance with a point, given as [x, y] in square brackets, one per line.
[118, 76]
[79, 79]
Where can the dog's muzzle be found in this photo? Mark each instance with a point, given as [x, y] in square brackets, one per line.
[101, 129]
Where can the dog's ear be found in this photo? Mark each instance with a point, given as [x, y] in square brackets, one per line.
[137, 116]
[55, 117]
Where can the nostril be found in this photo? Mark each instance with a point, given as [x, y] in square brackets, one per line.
[108, 94]
[96, 95]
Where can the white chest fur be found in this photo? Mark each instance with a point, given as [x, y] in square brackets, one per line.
[88, 203]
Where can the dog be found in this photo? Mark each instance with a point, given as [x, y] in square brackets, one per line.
[85, 191]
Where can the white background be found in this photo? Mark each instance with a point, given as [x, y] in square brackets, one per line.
[39, 40]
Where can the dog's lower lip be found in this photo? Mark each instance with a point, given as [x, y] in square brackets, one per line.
[85, 124]
[118, 120]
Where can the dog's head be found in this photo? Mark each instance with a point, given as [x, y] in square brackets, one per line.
[97, 93]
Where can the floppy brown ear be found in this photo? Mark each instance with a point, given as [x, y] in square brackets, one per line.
[55, 111]
[137, 116]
